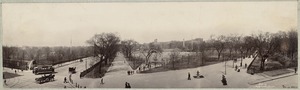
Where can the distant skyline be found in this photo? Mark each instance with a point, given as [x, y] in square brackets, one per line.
[56, 24]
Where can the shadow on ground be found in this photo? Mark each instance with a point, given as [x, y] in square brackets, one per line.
[7, 75]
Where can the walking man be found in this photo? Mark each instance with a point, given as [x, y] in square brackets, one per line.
[224, 81]
[236, 67]
[189, 76]
[295, 69]
[198, 73]
[102, 81]
[65, 80]
[70, 78]
[126, 85]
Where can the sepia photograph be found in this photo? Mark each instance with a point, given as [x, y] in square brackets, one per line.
[193, 44]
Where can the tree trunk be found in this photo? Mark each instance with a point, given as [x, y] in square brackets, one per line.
[219, 55]
[262, 64]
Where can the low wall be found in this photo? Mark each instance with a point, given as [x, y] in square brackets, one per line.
[82, 74]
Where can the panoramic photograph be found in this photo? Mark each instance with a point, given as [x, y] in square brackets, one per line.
[150, 45]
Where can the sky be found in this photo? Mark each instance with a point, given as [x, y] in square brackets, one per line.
[59, 24]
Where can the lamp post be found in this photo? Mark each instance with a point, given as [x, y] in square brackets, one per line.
[85, 64]
[225, 63]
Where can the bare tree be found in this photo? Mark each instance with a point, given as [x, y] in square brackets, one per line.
[293, 43]
[106, 46]
[174, 55]
[219, 45]
[202, 48]
[263, 45]
[149, 49]
[232, 42]
[128, 47]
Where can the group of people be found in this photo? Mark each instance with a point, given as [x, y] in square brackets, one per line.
[238, 69]
[130, 72]
[127, 85]
[78, 86]
[197, 75]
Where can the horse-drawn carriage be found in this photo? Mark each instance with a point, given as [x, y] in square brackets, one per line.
[72, 69]
[45, 78]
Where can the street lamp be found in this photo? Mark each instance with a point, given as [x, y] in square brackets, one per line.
[225, 63]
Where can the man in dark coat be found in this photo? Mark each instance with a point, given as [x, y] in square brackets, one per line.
[102, 81]
[224, 81]
[236, 67]
[189, 76]
[65, 80]
[126, 85]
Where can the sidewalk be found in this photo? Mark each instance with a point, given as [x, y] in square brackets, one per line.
[271, 78]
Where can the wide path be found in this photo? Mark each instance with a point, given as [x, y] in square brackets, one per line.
[116, 75]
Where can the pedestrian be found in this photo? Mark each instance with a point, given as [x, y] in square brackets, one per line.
[236, 67]
[128, 72]
[245, 65]
[84, 87]
[224, 81]
[198, 73]
[296, 69]
[223, 76]
[71, 81]
[189, 76]
[15, 71]
[126, 86]
[65, 80]
[65, 87]
[102, 81]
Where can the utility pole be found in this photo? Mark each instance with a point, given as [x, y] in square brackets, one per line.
[85, 64]
[225, 63]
